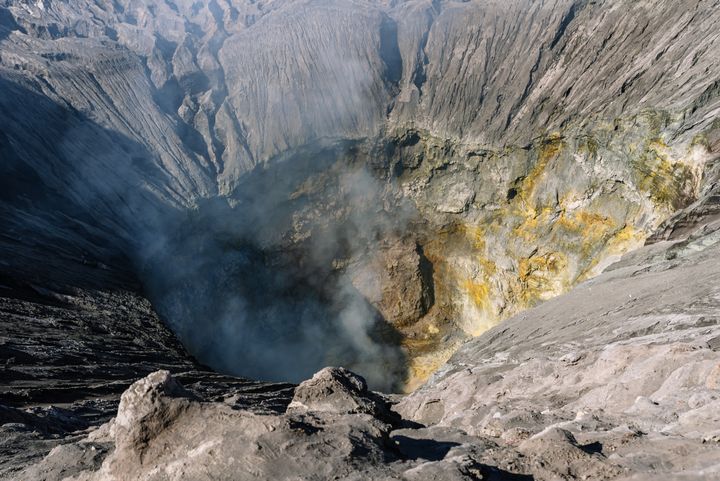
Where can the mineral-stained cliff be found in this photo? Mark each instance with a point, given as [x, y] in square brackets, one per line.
[617, 379]
[363, 183]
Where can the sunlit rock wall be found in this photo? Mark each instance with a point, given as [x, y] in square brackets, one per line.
[507, 150]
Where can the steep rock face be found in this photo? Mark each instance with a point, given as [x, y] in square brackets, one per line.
[533, 140]
[258, 164]
[521, 145]
[506, 71]
[627, 362]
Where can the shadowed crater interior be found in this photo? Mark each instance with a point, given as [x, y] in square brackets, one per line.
[265, 284]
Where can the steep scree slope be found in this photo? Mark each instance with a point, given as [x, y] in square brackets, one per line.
[365, 183]
[476, 157]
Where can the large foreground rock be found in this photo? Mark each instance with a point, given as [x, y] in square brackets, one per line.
[162, 433]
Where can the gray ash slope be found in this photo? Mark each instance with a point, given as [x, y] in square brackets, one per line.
[135, 133]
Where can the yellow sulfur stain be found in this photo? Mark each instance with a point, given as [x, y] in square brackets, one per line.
[621, 242]
[588, 224]
[593, 229]
[627, 234]
[479, 292]
[474, 234]
[422, 367]
[550, 149]
[670, 184]
[499, 264]
[540, 277]
[489, 267]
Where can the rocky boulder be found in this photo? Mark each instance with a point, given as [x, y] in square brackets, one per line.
[147, 407]
[339, 391]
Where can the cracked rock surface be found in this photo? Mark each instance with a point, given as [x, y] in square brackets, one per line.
[509, 210]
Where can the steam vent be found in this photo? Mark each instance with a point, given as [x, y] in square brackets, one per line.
[308, 240]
